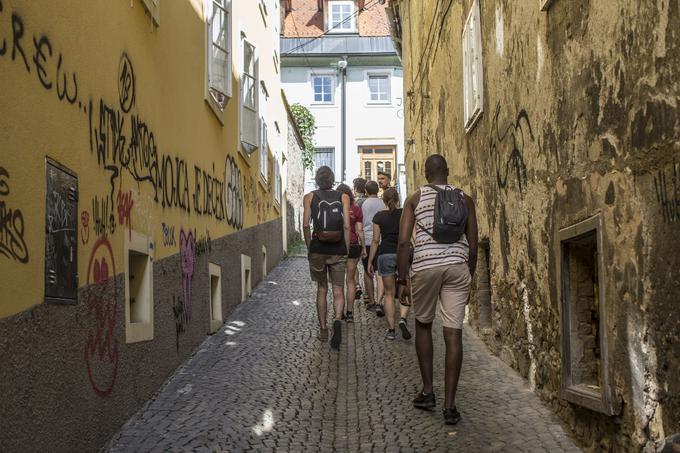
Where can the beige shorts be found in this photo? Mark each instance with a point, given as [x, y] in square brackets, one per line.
[321, 265]
[448, 284]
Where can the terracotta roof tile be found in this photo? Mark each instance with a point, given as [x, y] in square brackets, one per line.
[305, 19]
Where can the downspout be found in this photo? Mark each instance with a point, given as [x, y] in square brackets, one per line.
[343, 119]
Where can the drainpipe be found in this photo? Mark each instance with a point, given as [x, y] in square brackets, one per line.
[342, 66]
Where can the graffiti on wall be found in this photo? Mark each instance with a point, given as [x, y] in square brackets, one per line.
[125, 203]
[181, 318]
[85, 227]
[187, 255]
[103, 216]
[101, 348]
[126, 84]
[667, 187]
[39, 58]
[507, 145]
[203, 243]
[233, 193]
[12, 227]
[168, 235]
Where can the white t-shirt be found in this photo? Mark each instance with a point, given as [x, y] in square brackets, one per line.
[369, 208]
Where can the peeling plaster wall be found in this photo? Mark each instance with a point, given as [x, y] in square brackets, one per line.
[580, 117]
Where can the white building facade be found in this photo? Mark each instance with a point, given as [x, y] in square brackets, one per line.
[353, 85]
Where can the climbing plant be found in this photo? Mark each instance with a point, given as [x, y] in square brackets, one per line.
[307, 126]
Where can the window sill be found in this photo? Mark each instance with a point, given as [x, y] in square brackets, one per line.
[219, 113]
[472, 122]
[277, 205]
[244, 156]
[322, 105]
[263, 182]
[373, 105]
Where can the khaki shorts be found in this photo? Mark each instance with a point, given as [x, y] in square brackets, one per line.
[321, 265]
[448, 284]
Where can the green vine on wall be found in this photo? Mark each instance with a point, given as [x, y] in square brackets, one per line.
[307, 126]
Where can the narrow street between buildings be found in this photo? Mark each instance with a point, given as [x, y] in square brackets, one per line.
[264, 382]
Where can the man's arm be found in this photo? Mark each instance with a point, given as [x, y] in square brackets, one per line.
[408, 220]
[359, 228]
[471, 234]
[306, 218]
[345, 219]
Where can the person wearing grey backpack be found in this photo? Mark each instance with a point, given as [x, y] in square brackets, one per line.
[444, 261]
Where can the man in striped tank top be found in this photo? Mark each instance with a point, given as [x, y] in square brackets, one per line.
[439, 272]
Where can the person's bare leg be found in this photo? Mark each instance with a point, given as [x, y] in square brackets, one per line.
[368, 283]
[404, 309]
[424, 353]
[321, 304]
[453, 338]
[380, 288]
[351, 283]
[339, 301]
[389, 283]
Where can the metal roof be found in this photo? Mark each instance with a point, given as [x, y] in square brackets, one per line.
[338, 45]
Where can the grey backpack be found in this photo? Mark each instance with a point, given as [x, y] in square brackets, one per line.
[450, 215]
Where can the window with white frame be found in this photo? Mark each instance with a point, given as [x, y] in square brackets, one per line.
[472, 68]
[341, 16]
[323, 86]
[219, 51]
[249, 99]
[277, 182]
[379, 87]
[264, 152]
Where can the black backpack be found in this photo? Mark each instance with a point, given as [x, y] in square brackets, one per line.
[450, 215]
[328, 223]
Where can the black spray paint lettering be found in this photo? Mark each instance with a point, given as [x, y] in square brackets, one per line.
[668, 193]
[211, 202]
[181, 318]
[59, 216]
[519, 132]
[12, 243]
[42, 59]
[168, 235]
[103, 215]
[203, 244]
[126, 84]
[233, 193]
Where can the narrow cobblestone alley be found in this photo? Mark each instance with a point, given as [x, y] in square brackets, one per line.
[265, 383]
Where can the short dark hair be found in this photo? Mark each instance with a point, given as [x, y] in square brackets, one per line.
[372, 188]
[359, 185]
[344, 188]
[385, 174]
[435, 165]
[324, 178]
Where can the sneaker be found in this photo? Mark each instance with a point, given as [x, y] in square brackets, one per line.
[349, 317]
[391, 335]
[424, 401]
[379, 311]
[323, 334]
[357, 294]
[371, 307]
[337, 334]
[451, 416]
[405, 334]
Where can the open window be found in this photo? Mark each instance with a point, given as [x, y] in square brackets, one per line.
[218, 49]
[249, 100]
[473, 88]
[581, 267]
[138, 261]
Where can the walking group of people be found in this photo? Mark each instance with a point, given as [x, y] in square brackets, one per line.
[423, 255]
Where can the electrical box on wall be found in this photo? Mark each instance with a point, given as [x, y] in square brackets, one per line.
[61, 240]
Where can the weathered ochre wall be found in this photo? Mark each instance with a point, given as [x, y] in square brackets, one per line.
[580, 117]
[185, 172]
[97, 87]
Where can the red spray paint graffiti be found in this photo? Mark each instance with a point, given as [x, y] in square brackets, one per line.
[85, 229]
[101, 349]
[187, 248]
[125, 203]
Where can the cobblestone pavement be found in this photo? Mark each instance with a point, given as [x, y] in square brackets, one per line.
[265, 383]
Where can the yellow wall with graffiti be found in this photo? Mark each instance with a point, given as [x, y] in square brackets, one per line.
[97, 87]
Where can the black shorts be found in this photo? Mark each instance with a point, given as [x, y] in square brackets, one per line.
[365, 260]
[354, 251]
